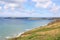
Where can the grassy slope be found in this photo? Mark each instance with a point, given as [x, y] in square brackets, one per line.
[48, 32]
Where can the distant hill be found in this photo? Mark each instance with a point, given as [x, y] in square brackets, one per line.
[50, 31]
[31, 18]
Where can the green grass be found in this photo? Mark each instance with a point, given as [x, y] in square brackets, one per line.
[42, 29]
[33, 36]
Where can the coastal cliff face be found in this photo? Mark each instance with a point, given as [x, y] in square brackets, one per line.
[50, 31]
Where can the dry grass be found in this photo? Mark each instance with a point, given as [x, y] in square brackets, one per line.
[47, 32]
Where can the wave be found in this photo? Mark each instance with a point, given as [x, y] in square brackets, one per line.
[27, 29]
[14, 36]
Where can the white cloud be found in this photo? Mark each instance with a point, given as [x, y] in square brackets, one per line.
[55, 8]
[40, 0]
[14, 14]
[48, 4]
[0, 8]
[2, 2]
[42, 3]
[20, 0]
[12, 4]
[14, 1]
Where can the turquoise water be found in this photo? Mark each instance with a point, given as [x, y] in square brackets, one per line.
[11, 27]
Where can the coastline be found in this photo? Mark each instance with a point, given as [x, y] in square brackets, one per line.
[15, 36]
[19, 34]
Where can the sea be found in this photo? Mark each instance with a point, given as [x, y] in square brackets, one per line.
[12, 27]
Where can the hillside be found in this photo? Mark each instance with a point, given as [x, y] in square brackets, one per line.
[50, 31]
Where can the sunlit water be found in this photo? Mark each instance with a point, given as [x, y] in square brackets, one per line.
[11, 27]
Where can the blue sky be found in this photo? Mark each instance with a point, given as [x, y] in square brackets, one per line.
[29, 8]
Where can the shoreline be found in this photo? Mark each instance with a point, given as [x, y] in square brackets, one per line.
[19, 34]
[15, 36]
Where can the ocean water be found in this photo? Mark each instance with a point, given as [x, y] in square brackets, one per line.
[11, 27]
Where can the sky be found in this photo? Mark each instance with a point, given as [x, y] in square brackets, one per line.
[29, 8]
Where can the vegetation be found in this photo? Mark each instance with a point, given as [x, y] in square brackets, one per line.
[47, 32]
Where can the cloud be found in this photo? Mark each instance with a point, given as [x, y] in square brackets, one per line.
[14, 1]
[42, 3]
[20, 0]
[55, 8]
[12, 4]
[14, 14]
[9, 7]
[47, 4]
[0, 8]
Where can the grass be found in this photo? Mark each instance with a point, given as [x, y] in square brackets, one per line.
[48, 32]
